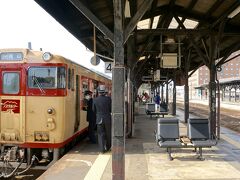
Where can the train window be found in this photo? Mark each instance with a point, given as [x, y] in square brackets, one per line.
[72, 80]
[69, 78]
[85, 103]
[46, 77]
[84, 86]
[11, 83]
[61, 77]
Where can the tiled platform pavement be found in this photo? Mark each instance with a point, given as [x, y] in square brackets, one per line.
[144, 160]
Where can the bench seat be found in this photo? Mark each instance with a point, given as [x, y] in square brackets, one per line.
[167, 135]
[204, 143]
[199, 134]
[170, 144]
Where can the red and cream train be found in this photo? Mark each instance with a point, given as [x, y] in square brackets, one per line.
[42, 103]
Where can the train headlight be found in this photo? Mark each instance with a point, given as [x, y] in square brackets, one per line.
[47, 56]
[50, 111]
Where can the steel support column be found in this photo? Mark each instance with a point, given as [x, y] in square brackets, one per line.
[212, 99]
[223, 91]
[186, 100]
[235, 94]
[174, 96]
[229, 94]
[162, 99]
[212, 84]
[118, 131]
[129, 105]
[186, 87]
[167, 92]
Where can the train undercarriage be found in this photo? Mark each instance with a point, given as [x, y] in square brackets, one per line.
[16, 161]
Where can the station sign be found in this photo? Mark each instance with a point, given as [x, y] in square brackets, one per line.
[108, 67]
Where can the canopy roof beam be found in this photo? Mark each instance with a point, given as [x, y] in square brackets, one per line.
[137, 17]
[93, 19]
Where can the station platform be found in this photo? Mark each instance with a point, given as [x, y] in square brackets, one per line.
[144, 160]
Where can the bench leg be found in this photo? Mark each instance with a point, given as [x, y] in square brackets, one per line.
[200, 157]
[169, 154]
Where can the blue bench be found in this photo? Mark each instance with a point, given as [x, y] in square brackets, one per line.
[199, 134]
[167, 135]
[150, 110]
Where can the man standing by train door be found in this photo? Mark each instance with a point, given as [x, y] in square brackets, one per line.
[102, 107]
[91, 117]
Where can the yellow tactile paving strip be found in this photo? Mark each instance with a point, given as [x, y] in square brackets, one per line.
[98, 167]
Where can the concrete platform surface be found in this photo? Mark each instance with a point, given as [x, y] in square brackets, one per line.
[144, 160]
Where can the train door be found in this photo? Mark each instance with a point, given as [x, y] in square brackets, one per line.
[85, 87]
[12, 122]
[84, 102]
[77, 106]
[95, 86]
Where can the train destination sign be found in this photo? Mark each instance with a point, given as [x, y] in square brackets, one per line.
[11, 56]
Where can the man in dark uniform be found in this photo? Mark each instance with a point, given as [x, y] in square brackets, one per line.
[91, 117]
[102, 107]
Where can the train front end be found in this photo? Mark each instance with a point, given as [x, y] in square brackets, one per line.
[32, 96]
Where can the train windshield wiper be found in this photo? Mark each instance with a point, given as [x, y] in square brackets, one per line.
[39, 85]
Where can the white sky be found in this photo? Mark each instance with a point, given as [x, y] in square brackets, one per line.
[23, 21]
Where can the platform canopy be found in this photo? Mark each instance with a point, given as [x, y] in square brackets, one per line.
[194, 30]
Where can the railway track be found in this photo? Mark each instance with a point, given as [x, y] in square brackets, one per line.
[229, 118]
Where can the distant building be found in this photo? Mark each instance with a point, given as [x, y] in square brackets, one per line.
[200, 79]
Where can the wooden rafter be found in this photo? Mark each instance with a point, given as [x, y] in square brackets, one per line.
[165, 31]
[224, 15]
[196, 47]
[93, 19]
[228, 52]
[133, 23]
[154, 4]
[190, 6]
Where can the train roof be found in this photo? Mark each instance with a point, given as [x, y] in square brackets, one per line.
[39, 54]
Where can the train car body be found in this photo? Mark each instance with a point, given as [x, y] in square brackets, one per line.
[42, 103]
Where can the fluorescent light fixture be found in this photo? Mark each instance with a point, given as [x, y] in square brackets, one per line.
[141, 58]
[234, 13]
